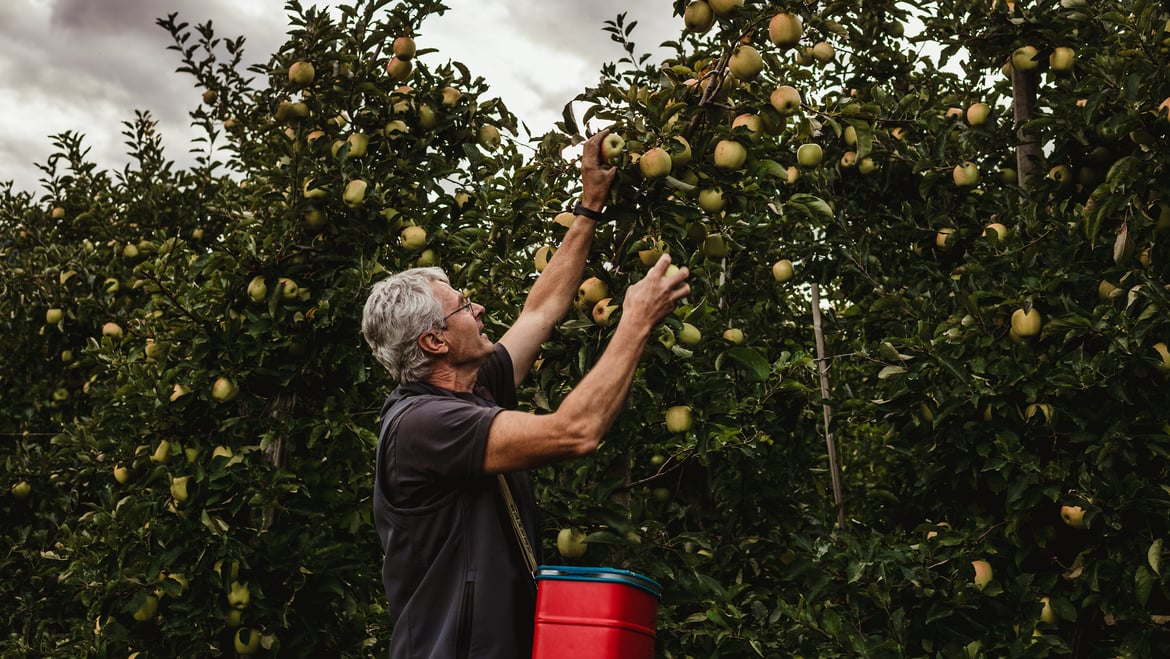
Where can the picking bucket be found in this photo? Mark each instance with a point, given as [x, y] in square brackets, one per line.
[594, 613]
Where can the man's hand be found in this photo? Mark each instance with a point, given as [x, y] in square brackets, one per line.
[653, 298]
[596, 174]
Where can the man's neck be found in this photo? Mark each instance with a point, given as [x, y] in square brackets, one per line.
[445, 377]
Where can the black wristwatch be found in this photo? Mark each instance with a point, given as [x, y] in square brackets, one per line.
[596, 216]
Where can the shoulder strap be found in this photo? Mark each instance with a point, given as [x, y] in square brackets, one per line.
[517, 524]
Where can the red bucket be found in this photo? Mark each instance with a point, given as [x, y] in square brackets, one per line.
[594, 613]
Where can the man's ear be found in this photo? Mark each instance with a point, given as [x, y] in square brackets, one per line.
[432, 343]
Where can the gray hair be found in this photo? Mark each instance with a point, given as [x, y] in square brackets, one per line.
[399, 309]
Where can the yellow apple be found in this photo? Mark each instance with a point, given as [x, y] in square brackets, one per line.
[355, 193]
[730, 155]
[246, 641]
[849, 159]
[288, 288]
[602, 311]
[711, 200]
[965, 174]
[571, 543]
[543, 254]
[785, 99]
[1062, 59]
[489, 137]
[224, 390]
[239, 595]
[782, 270]
[1024, 58]
[54, 316]
[734, 335]
[21, 490]
[823, 52]
[565, 219]
[655, 163]
[1074, 516]
[156, 350]
[1164, 353]
[178, 391]
[413, 238]
[715, 246]
[983, 573]
[725, 8]
[1047, 614]
[450, 96]
[612, 147]
[745, 62]
[1026, 323]
[179, 488]
[121, 474]
[301, 73]
[112, 330]
[977, 113]
[679, 418]
[398, 68]
[751, 123]
[258, 289]
[689, 335]
[698, 16]
[996, 231]
[395, 127]
[358, 143]
[867, 166]
[654, 251]
[785, 29]
[403, 47]
[589, 293]
[944, 237]
[148, 609]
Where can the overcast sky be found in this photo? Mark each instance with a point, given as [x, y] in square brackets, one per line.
[87, 65]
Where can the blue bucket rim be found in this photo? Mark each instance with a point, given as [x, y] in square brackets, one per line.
[599, 574]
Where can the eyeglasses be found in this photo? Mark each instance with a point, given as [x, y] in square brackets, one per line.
[465, 307]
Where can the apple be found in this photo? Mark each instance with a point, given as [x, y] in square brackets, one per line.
[785, 29]
[67, 356]
[867, 166]
[698, 16]
[288, 288]
[427, 119]
[1164, 353]
[977, 113]
[156, 350]
[1062, 59]
[1024, 58]
[1074, 516]
[571, 543]
[1026, 323]
[655, 163]
[612, 147]
[983, 573]
[725, 8]
[355, 193]
[589, 293]
[112, 330]
[689, 335]
[679, 418]
[782, 270]
[1047, 614]
[1106, 290]
[394, 127]
[752, 123]
[450, 96]
[850, 136]
[745, 62]
[301, 73]
[730, 155]
[224, 390]
[809, 155]
[148, 609]
[543, 254]
[413, 238]
[1163, 111]
[733, 335]
[403, 48]
[58, 213]
[680, 152]
[934, 533]
[944, 237]
[426, 258]
[849, 159]
[246, 641]
[178, 391]
[130, 251]
[602, 311]
[823, 52]
[996, 232]
[238, 595]
[54, 316]
[121, 474]
[711, 200]
[666, 337]
[21, 490]
[309, 191]
[1062, 174]
[399, 68]
[290, 110]
[221, 452]
[791, 175]
[162, 452]
[965, 174]
[179, 488]
[358, 143]
[785, 99]
[565, 219]
[653, 252]
[315, 218]
[489, 137]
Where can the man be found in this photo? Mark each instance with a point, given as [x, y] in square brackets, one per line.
[454, 571]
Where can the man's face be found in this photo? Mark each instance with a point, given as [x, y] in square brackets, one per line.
[463, 331]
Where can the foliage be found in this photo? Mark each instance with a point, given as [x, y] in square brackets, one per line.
[960, 439]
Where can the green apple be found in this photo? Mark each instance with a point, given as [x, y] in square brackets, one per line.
[782, 270]
[867, 166]
[698, 16]
[1047, 614]
[996, 231]
[983, 573]
[589, 293]
[179, 488]
[355, 193]
[679, 418]
[612, 147]
[489, 137]
[978, 113]
[54, 316]
[711, 200]
[403, 47]
[156, 350]
[730, 155]
[1074, 516]
[450, 96]
[753, 124]
[178, 391]
[301, 73]
[224, 390]
[1026, 323]
[221, 452]
[1024, 58]
[21, 490]
[965, 174]
[785, 29]
[148, 609]
[785, 99]
[239, 595]
[823, 52]
[413, 238]
[1062, 59]
[654, 251]
[112, 330]
[944, 237]
[571, 543]
[246, 641]
[121, 474]
[680, 152]
[809, 155]
[745, 62]
[655, 163]
[427, 119]
[288, 288]
[715, 246]
[1164, 353]
[602, 311]
[543, 254]
[358, 144]
[689, 335]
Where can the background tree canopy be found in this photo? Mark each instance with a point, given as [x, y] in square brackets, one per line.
[189, 411]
